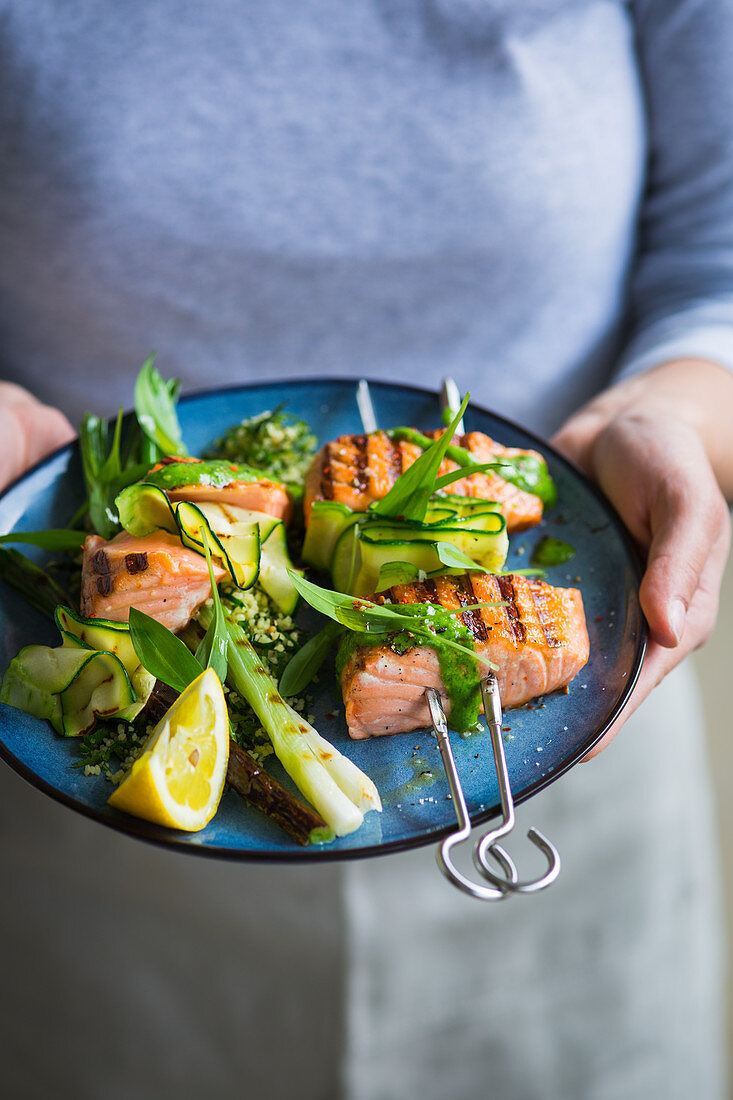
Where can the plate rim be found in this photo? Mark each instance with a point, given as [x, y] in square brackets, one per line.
[182, 842]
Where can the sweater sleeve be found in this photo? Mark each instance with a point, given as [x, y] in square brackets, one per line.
[681, 290]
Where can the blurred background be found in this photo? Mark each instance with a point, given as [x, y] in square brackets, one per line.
[714, 666]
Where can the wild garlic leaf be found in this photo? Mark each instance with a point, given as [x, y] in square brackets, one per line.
[102, 468]
[155, 407]
[456, 475]
[408, 498]
[366, 617]
[163, 654]
[396, 572]
[52, 539]
[453, 558]
[304, 664]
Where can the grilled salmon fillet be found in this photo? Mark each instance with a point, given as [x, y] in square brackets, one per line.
[538, 639]
[263, 495]
[358, 469]
[156, 574]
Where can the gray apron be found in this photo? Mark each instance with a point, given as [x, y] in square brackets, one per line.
[132, 971]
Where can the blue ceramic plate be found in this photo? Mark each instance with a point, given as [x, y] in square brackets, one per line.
[541, 743]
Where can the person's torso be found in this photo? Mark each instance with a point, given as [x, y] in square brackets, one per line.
[264, 190]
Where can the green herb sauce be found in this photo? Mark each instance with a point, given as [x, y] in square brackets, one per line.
[459, 673]
[214, 472]
[549, 551]
[527, 472]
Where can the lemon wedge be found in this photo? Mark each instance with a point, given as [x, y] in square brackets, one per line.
[179, 776]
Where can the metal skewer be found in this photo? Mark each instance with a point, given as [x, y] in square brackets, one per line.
[443, 854]
[366, 407]
[500, 886]
[487, 845]
[450, 398]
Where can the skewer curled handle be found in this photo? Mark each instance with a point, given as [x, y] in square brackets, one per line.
[501, 885]
[511, 884]
[443, 854]
[487, 845]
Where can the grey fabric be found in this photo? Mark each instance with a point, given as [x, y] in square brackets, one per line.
[606, 987]
[517, 193]
[274, 189]
[130, 971]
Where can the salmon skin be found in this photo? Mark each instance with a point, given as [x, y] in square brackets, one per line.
[254, 493]
[358, 469]
[156, 574]
[537, 639]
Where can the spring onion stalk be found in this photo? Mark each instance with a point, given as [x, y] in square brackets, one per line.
[332, 784]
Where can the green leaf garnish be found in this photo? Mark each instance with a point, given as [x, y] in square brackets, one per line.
[393, 573]
[457, 475]
[304, 664]
[408, 498]
[453, 558]
[52, 539]
[155, 408]
[213, 647]
[366, 617]
[528, 472]
[163, 654]
[101, 468]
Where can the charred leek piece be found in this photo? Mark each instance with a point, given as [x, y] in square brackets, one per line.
[36, 586]
[254, 784]
[263, 792]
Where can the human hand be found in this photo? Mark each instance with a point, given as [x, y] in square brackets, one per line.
[649, 456]
[28, 431]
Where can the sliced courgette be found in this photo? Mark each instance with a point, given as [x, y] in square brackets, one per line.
[70, 687]
[274, 565]
[235, 546]
[228, 522]
[328, 520]
[144, 508]
[458, 508]
[107, 636]
[362, 551]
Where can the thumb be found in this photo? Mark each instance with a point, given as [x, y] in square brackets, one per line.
[687, 521]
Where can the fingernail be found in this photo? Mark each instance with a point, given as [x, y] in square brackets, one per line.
[677, 616]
